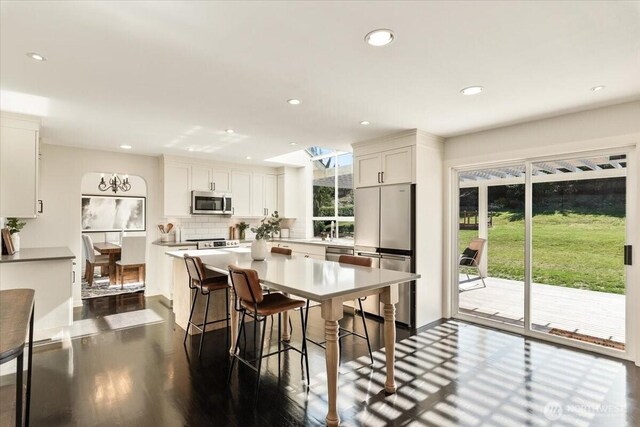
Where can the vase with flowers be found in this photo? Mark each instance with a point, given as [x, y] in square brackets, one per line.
[265, 231]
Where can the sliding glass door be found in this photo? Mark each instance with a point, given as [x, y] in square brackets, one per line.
[491, 244]
[540, 249]
[578, 237]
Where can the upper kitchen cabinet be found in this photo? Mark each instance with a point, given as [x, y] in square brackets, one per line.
[177, 190]
[241, 186]
[270, 193]
[264, 194]
[367, 170]
[18, 166]
[209, 179]
[385, 161]
[397, 166]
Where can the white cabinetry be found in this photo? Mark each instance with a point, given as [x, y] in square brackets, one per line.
[384, 168]
[241, 190]
[257, 195]
[18, 167]
[177, 190]
[264, 194]
[201, 178]
[308, 251]
[220, 180]
[270, 193]
[209, 179]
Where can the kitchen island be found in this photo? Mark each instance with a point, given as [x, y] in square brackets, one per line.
[327, 282]
[49, 272]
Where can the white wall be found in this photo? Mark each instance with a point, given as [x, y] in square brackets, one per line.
[61, 173]
[602, 128]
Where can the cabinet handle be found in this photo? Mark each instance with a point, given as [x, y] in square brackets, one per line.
[213, 186]
[40, 206]
[378, 177]
[306, 256]
[381, 177]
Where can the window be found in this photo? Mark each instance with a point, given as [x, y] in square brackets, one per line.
[332, 192]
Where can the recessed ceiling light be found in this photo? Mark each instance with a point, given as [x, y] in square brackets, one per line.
[293, 143]
[125, 147]
[597, 88]
[472, 90]
[229, 131]
[248, 157]
[293, 101]
[36, 56]
[379, 37]
[192, 149]
[365, 123]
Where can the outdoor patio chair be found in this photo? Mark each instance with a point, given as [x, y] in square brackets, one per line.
[471, 258]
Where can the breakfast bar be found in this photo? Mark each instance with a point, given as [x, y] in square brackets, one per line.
[327, 282]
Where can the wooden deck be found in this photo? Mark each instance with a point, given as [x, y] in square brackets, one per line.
[596, 314]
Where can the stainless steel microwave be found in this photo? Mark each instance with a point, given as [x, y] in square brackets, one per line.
[211, 203]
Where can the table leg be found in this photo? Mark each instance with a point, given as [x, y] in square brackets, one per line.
[286, 334]
[112, 268]
[389, 297]
[233, 327]
[390, 346]
[19, 374]
[331, 313]
[29, 368]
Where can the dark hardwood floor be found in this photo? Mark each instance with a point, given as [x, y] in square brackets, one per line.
[134, 371]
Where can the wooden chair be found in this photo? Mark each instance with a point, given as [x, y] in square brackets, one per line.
[471, 258]
[93, 260]
[204, 282]
[360, 262]
[254, 303]
[133, 256]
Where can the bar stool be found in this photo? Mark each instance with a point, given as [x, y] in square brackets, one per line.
[204, 282]
[357, 261]
[255, 304]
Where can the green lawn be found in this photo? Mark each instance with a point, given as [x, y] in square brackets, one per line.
[573, 250]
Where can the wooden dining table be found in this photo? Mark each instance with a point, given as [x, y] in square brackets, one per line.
[114, 251]
[327, 282]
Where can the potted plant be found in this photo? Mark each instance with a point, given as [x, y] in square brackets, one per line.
[15, 225]
[267, 228]
[241, 228]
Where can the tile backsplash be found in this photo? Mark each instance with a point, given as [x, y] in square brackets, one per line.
[212, 226]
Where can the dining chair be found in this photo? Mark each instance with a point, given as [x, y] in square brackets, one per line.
[133, 255]
[204, 282]
[255, 304]
[343, 332]
[93, 260]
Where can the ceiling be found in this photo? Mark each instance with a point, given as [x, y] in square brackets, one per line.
[165, 77]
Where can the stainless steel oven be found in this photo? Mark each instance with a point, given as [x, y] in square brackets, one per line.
[211, 203]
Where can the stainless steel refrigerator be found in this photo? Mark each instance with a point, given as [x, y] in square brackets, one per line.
[385, 232]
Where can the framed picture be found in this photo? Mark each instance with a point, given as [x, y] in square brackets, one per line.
[113, 213]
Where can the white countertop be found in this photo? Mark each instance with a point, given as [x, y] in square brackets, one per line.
[38, 254]
[317, 280]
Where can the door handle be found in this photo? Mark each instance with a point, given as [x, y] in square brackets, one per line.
[628, 255]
